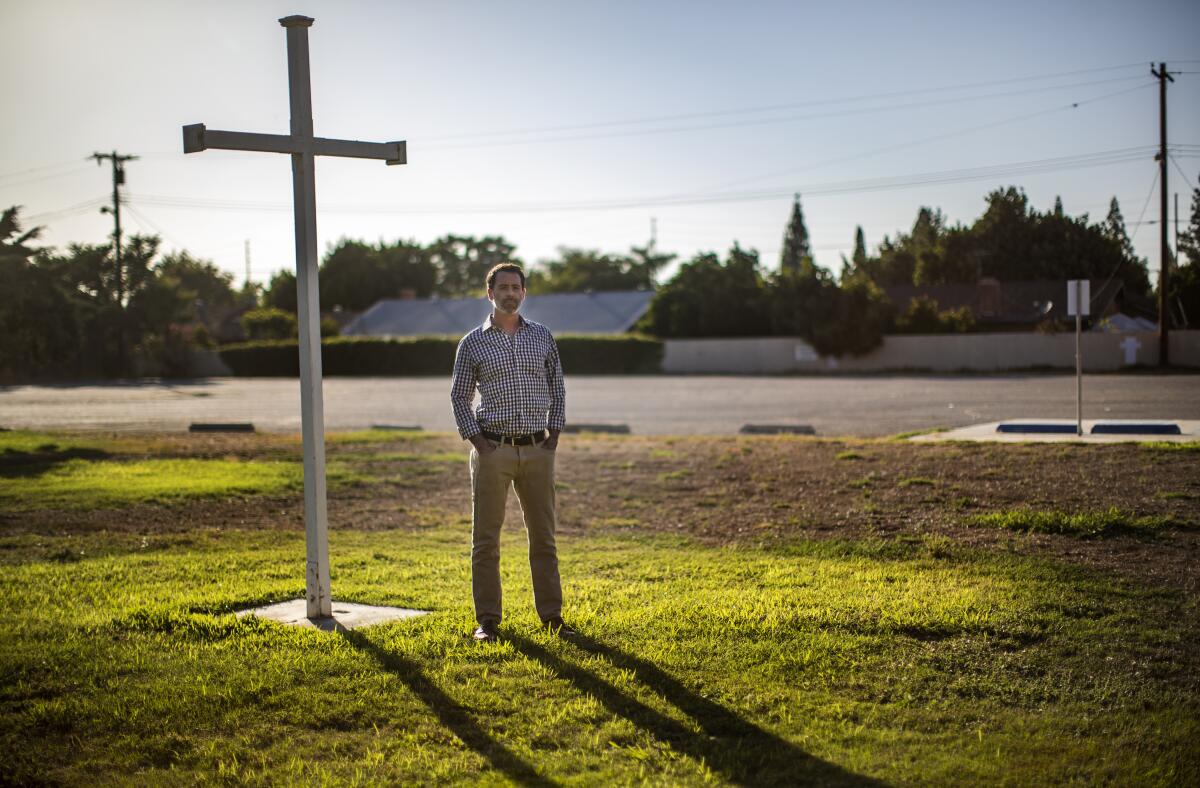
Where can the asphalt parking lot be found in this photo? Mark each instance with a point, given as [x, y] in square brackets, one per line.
[649, 405]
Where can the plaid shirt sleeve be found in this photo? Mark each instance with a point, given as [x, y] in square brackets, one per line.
[557, 418]
[462, 391]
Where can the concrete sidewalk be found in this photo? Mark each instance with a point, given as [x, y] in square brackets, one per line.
[1189, 432]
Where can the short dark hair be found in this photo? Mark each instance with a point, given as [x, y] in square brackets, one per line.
[516, 269]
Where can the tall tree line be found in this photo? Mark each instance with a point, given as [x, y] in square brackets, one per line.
[61, 315]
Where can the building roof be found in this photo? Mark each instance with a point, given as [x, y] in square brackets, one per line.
[995, 301]
[562, 313]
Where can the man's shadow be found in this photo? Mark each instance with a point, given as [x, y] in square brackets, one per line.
[737, 749]
[450, 713]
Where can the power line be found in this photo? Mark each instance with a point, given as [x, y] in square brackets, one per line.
[12, 184]
[751, 122]
[153, 227]
[1100, 158]
[60, 213]
[1145, 205]
[924, 140]
[1183, 174]
[41, 168]
[781, 107]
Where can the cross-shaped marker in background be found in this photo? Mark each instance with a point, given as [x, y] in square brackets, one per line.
[1130, 345]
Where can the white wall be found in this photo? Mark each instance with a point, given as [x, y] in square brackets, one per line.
[936, 353]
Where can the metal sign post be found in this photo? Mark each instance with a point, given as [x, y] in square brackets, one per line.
[303, 148]
[1079, 298]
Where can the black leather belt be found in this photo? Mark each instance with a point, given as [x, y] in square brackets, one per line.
[516, 440]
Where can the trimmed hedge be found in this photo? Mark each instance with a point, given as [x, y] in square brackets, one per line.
[434, 355]
[622, 354]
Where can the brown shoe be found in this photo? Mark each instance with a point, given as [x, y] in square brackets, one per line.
[487, 632]
[556, 626]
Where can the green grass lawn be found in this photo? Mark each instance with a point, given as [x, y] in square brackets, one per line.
[913, 660]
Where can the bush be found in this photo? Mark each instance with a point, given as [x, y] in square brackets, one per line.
[433, 355]
[269, 323]
[855, 324]
[382, 356]
[265, 358]
[609, 355]
[922, 317]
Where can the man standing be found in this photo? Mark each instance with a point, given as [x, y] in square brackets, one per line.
[514, 364]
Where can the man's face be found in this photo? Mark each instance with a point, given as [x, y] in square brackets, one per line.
[507, 292]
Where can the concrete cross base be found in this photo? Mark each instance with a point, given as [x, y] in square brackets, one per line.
[346, 615]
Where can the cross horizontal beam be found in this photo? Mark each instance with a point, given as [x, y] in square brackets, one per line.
[197, 138]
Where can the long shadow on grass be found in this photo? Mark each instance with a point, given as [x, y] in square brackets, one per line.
[14, 463]
[738, 749]
[450, 713]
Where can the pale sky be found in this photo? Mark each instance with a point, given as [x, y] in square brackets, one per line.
[571, 123]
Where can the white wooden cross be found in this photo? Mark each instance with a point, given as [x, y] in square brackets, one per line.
[303, 146]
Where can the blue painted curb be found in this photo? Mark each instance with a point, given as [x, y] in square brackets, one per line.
[777, 429]
[1136, 429]
[1057, 429]
[212, 427]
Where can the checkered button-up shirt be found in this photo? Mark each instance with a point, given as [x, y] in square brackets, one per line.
[519, 379]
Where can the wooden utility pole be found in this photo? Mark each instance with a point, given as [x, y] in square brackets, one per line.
[118, 177]
[303, 147]
[1165, 252]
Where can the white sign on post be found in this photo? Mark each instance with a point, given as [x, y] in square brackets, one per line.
[1079, 296]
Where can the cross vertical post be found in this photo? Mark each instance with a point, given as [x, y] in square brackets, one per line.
[308, 305]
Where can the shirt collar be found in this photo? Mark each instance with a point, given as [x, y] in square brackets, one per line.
[487, 322]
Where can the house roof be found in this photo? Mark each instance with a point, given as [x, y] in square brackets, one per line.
[1020, 301]
[562, 313]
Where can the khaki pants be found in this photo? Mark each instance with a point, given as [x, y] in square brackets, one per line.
[530, 471]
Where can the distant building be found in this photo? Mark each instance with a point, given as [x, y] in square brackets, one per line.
[562, 313]
[1022, 305]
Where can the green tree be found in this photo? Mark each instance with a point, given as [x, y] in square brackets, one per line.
[269, 323]
[797, 251]
[462, 262]
[355, 275]
[196, 291]
[14, 243]
[1010, 241]
[915, 257]
[1114, 229]
[586, 270]
[1189, 239]
[858, 321]
[280, 292]
[648, 261]
[1184, 283]
[38, 327]
[407, 266]
[857, 266]
[352, 278]
[199, 279]
[708, 298]
[859, 257]
[835, 320]
[113, 308]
